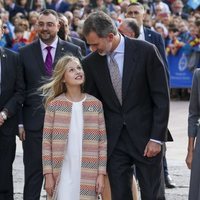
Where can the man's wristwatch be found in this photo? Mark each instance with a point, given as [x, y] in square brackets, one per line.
[4, 115]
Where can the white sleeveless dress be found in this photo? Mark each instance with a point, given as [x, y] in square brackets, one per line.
[69, 185]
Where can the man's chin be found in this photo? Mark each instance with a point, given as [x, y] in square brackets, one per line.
[47, 40]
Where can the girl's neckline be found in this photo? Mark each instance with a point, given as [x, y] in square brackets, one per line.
[83, 99]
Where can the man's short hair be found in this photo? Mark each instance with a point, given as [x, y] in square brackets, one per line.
[48, 12]
[133, 25]
[100, 23]
[136, 4]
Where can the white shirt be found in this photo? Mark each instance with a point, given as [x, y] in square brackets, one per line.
[141, 36]
[53, 50]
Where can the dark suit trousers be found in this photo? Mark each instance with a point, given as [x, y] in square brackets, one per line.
[7, 156]
[120, 171]
[33, 165]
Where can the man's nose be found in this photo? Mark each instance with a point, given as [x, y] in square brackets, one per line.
[45, 26]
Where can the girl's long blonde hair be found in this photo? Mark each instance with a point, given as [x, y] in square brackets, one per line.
[56, 86]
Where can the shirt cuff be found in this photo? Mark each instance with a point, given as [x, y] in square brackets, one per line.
[156, 141]
[20, 125]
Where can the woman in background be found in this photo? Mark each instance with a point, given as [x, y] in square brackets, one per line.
[193, 155]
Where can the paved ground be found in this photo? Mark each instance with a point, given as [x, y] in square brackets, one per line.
[175, 155]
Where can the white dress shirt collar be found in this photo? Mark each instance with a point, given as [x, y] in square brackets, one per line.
[141, 36]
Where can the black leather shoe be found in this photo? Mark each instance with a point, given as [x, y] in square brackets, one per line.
[169, 182]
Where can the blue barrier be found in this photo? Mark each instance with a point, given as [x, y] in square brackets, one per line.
[180, 76]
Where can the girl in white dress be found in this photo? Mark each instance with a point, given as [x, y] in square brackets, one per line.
[74, 138]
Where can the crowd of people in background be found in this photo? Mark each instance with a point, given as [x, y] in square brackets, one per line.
[177, 21]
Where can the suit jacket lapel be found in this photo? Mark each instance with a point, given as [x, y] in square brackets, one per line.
[103, 73]
[3, 67]
[147, 35]
[60, 51]
[130, 54]
[38, 57]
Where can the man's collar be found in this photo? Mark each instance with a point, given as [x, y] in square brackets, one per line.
[121, 45]
[54, 44]
[12, 5]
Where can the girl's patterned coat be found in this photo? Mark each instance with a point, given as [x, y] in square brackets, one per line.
[94, 146]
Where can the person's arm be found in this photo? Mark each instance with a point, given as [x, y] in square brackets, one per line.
[47, 150]
[159, 91]
[100, 183]
[102, 142]
[193, 118]
[12, 105]
[189, 157]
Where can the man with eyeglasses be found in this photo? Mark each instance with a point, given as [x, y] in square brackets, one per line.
[11, 97]
[38, 60]
[136, 11]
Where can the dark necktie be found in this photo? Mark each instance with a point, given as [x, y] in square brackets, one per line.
[115, 76]
[48, 61]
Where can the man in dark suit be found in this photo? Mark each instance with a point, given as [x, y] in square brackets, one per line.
[11, 97]
[177, 9]
[136, 11]
[129, 78]
[13, 8]
[59, 6]
[64, 33]
[38, 60]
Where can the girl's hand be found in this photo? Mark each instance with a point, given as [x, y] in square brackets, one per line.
[100, 183]
[49, 184]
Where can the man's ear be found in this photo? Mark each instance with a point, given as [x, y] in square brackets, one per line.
[110, 37]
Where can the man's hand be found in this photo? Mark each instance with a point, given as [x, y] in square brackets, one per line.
[152, 149]
[22, 134]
